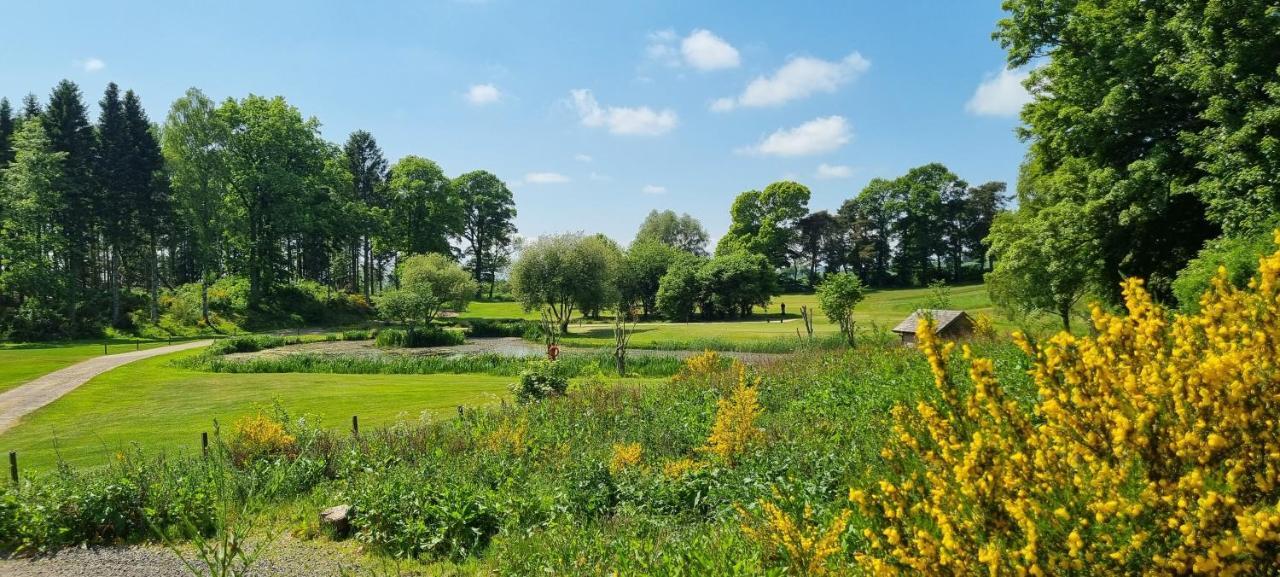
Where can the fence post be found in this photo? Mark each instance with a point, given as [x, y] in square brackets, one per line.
[204, 443]
[104, 347]
[355, 425]
[137, 344]
[13, 466]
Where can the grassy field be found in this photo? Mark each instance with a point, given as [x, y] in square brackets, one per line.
[163, 407]
[881, 309]
[22, 362]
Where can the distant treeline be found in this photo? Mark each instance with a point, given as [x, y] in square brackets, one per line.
[97, 220]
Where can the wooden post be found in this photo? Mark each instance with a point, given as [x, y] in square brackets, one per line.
[13, 466]
[355, 425]
[460, 409]
[104, 347]
[204, 443]
[137, 344]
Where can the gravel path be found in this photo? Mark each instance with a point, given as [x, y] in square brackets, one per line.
[18, 402]
[287, 557]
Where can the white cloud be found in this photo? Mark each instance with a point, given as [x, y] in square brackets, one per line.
[799, 78]
[653, 189]
[1000, 94]
[661, 47]
[600, 177]
[91, 64]
[814, 137]
[831, 171]
[700, 50]
[643, 120]
[583, 157]
[545, 178]
[706, 51]
[482, 94]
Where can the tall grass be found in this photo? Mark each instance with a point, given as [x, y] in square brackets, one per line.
[484, 363]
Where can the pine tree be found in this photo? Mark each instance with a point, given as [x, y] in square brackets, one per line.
[148, 191]
[117, 210]
[368, 174]
[6, 133]
[69, 132]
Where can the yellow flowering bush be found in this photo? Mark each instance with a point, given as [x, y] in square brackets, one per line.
[804, 544]
[257, 437]
[508, 438]
[1153, 448]
[699, 367]
[625, 456]
[734, 429]
[678, 468]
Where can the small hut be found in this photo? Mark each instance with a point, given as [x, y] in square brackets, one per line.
[952, 325]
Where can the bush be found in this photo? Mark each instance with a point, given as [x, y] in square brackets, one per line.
[249, 344]
[357, 335]
[431, 336]
[259, 437]
[502, 328]
[541, 380]
[409, 518]
[1239, 256]
[1150, 448]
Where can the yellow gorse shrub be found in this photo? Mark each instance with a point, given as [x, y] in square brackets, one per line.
[699, 366]
[1153, 447]
[802, 542]
[734, 429]
[625, 456]
[678, 468]
[259, 436]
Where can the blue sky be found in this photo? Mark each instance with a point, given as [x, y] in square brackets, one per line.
[593, 112]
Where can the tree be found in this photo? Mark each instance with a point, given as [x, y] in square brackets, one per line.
[1161, 152]
[6, 133]
[429, 284]
[838, 295]
[731, 285]
[918, 199]
[869, 218]
[488, 228]
[368, 171]
[982, 205]
[763, 222]
[563, 273]
[422, 210]
[30, 237]
[66, 123]
[814, 233]
[683, 232]
[148, 189]
[194, 140]
[112, 178]
[1046, 262]
[678, 291]
[272, 156]
[645, 263]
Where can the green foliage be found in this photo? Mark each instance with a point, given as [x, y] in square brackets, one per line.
[1238, 255]
[642, 269]
[527, 329]
[837, 296]
[1046, 261]
[488, 226]
[401, 515]
[541, 379]
[763, 222]
[681, 232]
[429, 336]
[573, 365]
[423, 210]
[561, 273]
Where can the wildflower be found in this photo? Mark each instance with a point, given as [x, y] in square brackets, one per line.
[625, 456]
[734, 429]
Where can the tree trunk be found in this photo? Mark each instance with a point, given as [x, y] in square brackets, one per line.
[113, 278]
[155, 282]
[1065, 313]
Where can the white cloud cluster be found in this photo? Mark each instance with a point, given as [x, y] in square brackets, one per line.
[653, 189]
[583, 157]
[91, 64]
[833, 171]
[545, 178]
[642, 121]
[700, 50]
[799, 78]
[814, 137]
[482, 94]
[1000, 94]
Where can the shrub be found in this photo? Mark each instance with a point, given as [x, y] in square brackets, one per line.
[625, 456]
[734, 429]
[1151, 448]
[1239, 256]
[431, 336]
[541, 380]
[259, 437]
[248, 344]
[409, 516]
[502, 328]
[356, 335]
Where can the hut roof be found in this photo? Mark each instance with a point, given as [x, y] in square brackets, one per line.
[941, 318]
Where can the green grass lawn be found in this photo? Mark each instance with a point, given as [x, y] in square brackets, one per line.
[21, 362]
[883, 309]
[163, 407]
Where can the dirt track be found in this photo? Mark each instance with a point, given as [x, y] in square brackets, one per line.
[21, 401]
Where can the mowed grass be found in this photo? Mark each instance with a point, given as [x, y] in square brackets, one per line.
[882, 309]
[22, 362]
[163, 407]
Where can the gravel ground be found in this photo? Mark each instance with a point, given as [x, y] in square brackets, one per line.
[287, 557]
